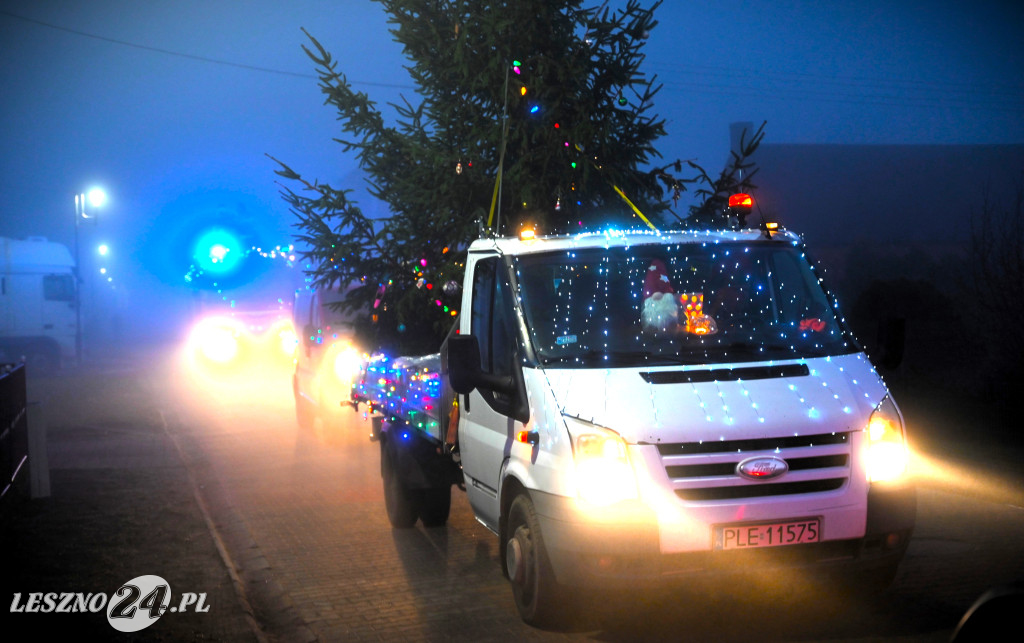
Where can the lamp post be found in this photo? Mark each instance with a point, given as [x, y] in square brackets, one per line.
[96, 198]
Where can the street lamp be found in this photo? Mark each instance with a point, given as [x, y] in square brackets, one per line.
[96, 198]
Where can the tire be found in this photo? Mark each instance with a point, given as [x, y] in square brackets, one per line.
[435, 505]
[399, 501]
[540, 599]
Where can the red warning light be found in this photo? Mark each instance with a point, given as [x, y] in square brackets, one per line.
[741, 201]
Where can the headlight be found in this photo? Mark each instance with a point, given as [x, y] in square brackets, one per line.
[886, 446]
[604, 474]
[288, 341]
[347, 363]
[217, 341]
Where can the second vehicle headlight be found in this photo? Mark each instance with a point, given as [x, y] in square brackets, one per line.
[347, 362]
[216, 340]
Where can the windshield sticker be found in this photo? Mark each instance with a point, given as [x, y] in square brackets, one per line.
[565, 339]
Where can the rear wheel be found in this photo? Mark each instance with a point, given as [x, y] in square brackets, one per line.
[399, 501]
[540, 599]
[435, 505]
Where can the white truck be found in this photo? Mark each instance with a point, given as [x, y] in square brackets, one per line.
[37, 303]
[634, 407]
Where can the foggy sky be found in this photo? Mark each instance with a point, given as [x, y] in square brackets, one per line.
[163, 101]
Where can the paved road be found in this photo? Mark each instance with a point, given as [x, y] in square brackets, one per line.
[301, 517]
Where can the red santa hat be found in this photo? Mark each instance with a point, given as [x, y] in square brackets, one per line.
[657, 279]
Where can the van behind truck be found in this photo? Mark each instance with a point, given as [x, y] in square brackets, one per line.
[38, 322]
[326, 357]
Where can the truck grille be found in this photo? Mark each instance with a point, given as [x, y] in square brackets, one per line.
[706, 471]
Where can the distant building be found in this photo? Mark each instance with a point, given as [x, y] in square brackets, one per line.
[891, 199]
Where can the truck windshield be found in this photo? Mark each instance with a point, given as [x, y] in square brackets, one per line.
[648, 305]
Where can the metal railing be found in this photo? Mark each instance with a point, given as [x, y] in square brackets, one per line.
[13, 432]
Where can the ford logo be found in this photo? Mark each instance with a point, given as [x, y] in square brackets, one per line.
[762, 468]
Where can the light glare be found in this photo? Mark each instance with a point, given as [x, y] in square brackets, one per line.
[97, 197]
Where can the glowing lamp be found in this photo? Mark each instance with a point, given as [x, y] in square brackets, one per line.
[217, 340]
[604, 475]
[528, 437]
[347, 363]
[288, 340]
[218, 251]
[742, 201]
[887, 456]
[527, 234]
[97, 197]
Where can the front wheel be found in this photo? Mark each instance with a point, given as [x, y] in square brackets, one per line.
[540, 599]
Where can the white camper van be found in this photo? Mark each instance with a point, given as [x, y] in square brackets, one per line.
[37, 303]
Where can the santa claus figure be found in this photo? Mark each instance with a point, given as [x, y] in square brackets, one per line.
[660, 312]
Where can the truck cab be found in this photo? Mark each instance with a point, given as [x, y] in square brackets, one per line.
[37, 303]
[634, 407]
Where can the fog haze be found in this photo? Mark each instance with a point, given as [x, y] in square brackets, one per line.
[173, 107]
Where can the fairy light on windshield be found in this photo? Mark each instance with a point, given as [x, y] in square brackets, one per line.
[709, 302]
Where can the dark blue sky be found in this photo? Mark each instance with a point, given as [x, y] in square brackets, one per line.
[165, 101]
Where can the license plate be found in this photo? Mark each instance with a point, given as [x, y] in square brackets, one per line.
[776, 534]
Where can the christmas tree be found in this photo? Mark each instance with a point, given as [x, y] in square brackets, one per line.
[526, 111]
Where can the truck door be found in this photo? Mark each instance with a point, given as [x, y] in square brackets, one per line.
[485, 435]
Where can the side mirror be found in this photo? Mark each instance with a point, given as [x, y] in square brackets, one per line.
[464, 368]
[463, 362]
[506, 394]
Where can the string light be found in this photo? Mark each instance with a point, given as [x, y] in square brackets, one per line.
[284, 253]
[592, 315]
